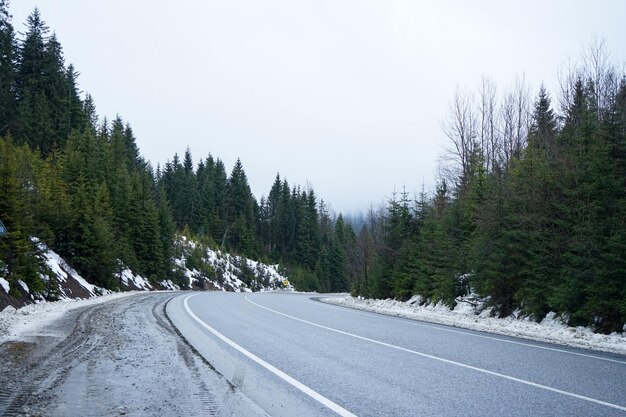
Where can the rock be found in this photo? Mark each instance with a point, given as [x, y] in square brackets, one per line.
[9, 310]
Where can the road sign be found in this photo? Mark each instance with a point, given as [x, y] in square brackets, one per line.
[3, 230]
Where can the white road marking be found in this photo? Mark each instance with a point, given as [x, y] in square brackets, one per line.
[416, 322]
[308, 391]
[450, 362]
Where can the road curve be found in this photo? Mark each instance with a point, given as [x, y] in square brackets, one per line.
[292, 354]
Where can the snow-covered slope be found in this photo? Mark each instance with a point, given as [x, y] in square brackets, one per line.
[206, 268]
[70, 283]
[63, 283]
[196, 267]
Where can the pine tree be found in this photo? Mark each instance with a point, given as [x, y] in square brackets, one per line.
[240, 216]
[167, 230]
[574, 208]
[273, 211]
[308, 241]
[17, 251]
[89, 110]
[361, 261]
[8, 47]
[544, 126]
[75, 117]
[592, 188]
[337, 258]
[145, 227]
[53, 206]
[220, 186]
[189, 193]
[34, 122]
[133, 159]
[323, 264]
[92, 243]
[56, 94]
[434, 271]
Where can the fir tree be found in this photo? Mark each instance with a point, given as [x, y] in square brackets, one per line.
[17, 251]
[8, 99]
[240, 213]
[544, 126]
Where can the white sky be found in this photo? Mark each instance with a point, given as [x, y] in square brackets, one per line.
[347, 96]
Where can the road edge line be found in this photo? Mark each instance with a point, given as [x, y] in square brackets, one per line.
[459, 330]
[448, 361]
[290, 380]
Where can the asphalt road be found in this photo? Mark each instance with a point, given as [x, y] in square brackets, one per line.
[295, 356]
[116, 358]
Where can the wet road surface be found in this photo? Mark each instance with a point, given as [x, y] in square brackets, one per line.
[120, 357]
[292, 354]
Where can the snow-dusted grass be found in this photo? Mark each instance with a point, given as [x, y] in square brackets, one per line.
[466, 316]
[32, 320]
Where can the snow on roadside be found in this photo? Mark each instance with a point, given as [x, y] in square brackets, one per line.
[33, 319]
[73, 291]
[465, 316]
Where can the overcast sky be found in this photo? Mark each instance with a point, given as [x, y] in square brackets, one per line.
[347, 96]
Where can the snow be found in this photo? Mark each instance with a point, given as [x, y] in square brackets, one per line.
[228, 269]
[23, 285]
[54, 262]
[169, 285]
[470, 315]
[5, 285]
[33, 318]
[128, 278]
[61, 271]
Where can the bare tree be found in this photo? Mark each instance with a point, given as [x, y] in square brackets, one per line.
[507, 115]
[488, 133]
[460, 127]
[567, 78]
[515, 120]
[594, 69]
[598, 69]
[497, 130]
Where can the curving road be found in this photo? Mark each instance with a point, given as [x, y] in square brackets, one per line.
[293, 355]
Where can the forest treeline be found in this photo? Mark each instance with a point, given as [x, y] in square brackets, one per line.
[80, 185]
[75, 183]
[529, 211]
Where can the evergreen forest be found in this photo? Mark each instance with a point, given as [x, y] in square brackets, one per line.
[529, 211]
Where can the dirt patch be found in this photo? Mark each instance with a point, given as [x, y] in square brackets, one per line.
[73, 289]
[8, 300]
[16, 351]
